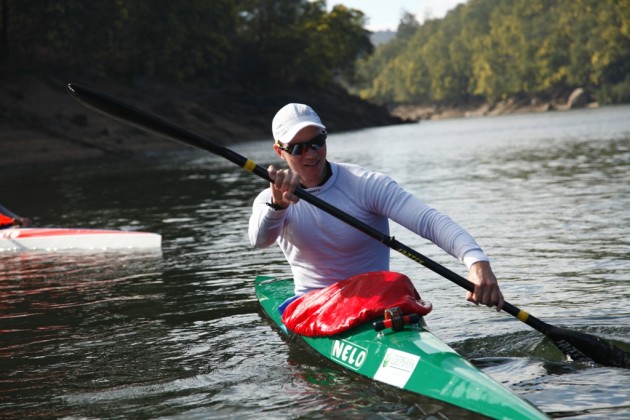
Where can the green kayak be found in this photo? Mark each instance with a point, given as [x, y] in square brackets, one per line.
[412, 359]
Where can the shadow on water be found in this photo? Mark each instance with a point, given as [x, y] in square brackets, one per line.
[532, 365]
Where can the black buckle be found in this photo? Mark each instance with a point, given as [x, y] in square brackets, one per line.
[395, 320]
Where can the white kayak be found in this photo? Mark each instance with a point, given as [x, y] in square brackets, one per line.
[63, 239]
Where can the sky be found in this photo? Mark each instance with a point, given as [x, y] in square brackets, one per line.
[385, 14]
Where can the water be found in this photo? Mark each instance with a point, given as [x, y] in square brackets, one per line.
[179, 334]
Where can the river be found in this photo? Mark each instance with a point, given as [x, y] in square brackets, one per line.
[179, 334]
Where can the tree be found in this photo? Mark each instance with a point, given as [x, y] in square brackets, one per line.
[173, 40]
[299, 42]
[495, 49]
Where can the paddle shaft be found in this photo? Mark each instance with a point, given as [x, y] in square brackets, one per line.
[135, 117]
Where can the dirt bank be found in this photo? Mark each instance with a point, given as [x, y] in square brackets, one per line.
[40, 122]
[578, 98]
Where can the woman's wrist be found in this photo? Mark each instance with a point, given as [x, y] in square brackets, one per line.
[276, 207]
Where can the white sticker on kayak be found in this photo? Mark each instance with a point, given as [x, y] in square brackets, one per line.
[348, 354]
[396, 367]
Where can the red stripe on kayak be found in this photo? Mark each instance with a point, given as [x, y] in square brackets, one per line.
[46, 232]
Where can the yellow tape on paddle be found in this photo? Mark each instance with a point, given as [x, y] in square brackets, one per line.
[249, 165]
[522, 315]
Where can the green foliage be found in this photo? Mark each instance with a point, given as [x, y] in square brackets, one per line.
[494, 49]
[482, 50]
[131, 38]
[298, 42]
[249, 42]
[615, 93]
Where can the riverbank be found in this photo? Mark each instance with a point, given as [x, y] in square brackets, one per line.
[579, 98]
[40, 122]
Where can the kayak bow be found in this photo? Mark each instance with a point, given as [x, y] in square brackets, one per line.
[412, 359]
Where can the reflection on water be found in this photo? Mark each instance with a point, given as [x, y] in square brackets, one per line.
[180, 334]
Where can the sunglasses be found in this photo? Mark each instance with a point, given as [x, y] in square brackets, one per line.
[298, 149]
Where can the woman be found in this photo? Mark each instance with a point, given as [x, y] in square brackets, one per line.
[323, 250]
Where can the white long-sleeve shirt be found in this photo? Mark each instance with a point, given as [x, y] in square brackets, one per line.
[322, 249]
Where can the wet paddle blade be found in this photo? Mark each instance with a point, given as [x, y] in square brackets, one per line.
[587, 348]
[577, 346]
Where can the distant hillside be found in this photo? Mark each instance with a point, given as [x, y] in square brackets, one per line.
[382, 37]
[488, 51]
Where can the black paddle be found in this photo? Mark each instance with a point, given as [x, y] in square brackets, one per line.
[578, 346]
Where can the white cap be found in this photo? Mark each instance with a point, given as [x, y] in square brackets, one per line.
[291, 119]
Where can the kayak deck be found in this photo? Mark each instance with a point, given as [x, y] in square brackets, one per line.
[412, 359]
[62, 239]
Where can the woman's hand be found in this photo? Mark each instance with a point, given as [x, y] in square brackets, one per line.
[487, 291]
[283, 186]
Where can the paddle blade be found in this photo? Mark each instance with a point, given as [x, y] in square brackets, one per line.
[587, 348]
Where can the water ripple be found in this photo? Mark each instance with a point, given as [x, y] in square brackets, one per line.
[180, 334]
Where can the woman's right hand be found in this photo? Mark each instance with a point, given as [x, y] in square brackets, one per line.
[283, 186]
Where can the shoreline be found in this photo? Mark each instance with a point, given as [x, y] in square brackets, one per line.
[42, 123]
[577, 99]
